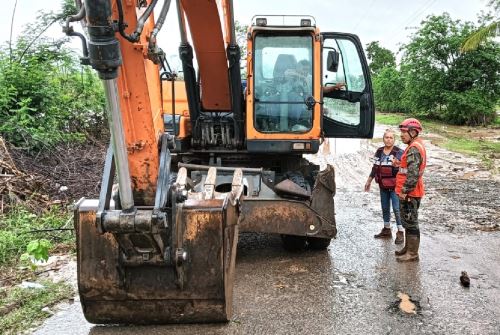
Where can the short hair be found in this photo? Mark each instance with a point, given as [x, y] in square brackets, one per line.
[389, 130]
[305, 62]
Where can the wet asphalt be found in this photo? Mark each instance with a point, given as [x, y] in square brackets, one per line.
[353, 287]
[350, 289]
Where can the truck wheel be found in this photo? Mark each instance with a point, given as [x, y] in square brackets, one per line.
[318, 243]
[293, 242]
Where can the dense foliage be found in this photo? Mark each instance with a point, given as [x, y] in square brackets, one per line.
[436, 80]
[379, 57]
[46, 97]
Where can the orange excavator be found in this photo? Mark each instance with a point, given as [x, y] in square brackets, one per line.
[199, 159]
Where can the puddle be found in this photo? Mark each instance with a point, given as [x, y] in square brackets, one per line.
[406, 304]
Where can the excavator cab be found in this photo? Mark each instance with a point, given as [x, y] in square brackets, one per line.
[289, 65]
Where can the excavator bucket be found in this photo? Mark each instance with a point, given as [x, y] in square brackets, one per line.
[145, 271]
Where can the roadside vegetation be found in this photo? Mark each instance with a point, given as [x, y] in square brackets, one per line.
[46, 96]
[26, 241]
[50, 106]
[21, 308]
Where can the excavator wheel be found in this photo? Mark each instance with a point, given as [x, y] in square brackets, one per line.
[293, 243]
[318, 243]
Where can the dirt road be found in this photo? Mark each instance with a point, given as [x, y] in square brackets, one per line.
[357, 287]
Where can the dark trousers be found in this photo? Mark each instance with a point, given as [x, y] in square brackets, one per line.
[409, 215]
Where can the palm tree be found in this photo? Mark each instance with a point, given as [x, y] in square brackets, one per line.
[482, 34]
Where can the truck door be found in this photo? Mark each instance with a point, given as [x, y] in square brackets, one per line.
[348, 111]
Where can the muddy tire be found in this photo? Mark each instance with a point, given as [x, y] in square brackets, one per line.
[294, 243]
[318, 243]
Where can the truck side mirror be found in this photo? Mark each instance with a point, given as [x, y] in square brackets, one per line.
[332, 61]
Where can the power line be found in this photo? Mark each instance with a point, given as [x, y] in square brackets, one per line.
[364, 15]
[412, 18]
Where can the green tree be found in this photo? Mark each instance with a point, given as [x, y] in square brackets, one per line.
[379, 57]
[440, 82]
[387, 90]
[241, 39]
[46, 97]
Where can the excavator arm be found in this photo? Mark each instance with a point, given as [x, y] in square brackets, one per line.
[157, 251]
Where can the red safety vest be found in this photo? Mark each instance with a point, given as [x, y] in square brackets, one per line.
[418, 191]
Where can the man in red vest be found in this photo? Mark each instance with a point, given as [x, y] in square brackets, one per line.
[410, 187]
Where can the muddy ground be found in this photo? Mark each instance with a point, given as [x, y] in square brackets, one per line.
[357, 286]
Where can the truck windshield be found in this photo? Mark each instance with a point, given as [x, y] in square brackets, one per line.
[282, 81]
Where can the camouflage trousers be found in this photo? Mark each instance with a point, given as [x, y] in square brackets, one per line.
[409, 215]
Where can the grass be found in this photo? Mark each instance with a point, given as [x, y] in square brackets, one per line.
[471, 147]
[19, 227]
[390, 119]
[21, 308]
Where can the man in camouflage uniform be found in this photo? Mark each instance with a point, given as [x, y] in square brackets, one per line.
[410, 187]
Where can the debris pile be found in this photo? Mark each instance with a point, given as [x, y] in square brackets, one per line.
[71, 170]
[18, 187]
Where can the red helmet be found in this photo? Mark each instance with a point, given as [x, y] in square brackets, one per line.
[409, 124]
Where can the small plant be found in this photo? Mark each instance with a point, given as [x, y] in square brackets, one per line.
[36, 250]
[39, 249]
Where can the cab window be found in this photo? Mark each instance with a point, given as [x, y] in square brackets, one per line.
[282, 82]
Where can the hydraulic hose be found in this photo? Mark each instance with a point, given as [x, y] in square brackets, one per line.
[134, 37]
[70, 32]
[159, 24]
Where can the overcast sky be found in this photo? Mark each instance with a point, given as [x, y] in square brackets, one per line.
[382, 20]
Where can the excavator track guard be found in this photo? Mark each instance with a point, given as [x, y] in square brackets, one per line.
[185, 271]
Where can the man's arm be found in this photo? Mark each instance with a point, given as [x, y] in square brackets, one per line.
[336, 87]
[414, 160]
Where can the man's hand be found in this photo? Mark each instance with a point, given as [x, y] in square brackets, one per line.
[396, 162]
[403, 196]
[336, 87]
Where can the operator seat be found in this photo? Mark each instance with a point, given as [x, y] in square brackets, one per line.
[283, 62]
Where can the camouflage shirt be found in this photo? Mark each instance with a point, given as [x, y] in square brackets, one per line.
[413, 159]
